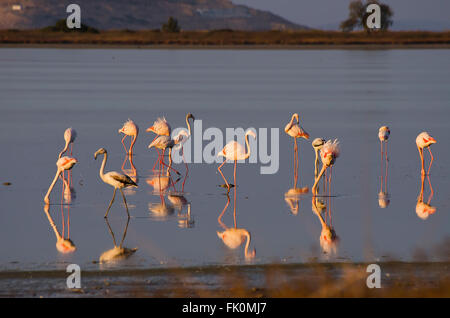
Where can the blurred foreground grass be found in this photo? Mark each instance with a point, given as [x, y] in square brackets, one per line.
[289, 281]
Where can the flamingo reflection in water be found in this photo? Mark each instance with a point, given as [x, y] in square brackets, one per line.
[383, 194]
[117, 253]
[234, 237]
[63, 245]
[424, 209]
[328, 238]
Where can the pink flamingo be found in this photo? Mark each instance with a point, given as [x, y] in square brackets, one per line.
[295, 131]
[115, 179]
[328, 154]
[424, 140]
[63, 163]
[161, 128]
[383, 196]
[129, 129]
[163, 143]
[235, 151]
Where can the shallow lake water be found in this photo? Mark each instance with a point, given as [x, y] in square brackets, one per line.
[344, 94]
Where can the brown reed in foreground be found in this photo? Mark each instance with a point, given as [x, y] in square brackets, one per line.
[398, 279]
[225, 38]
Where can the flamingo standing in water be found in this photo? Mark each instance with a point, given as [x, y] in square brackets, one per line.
[161, 128]
[184, 136]
[295, 131]
[63, 163]
[70, 135]
[129, 128]
[235, 151]
[115, 179]
[328, 154]
[424, 140]
[163, 143]
[383, 196]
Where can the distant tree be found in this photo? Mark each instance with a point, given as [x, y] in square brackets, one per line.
[358, 16]
[171, 26]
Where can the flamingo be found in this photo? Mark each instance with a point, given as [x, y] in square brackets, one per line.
[69, 136]
[235, 151]
[163, 143]
[295, 131]
[115, 179]
[383, 196]
[129, 129]
[328, 154]
[317, 145]
[424, 140]
[184, 136]
[63, 163]
[161, 128]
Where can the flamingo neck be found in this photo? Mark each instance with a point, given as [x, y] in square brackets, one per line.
[247, 244]
[46, 200]
[318, 178]
[247, 154]
[64, 150]
[102, 168]
[188, 125]
[52, 223]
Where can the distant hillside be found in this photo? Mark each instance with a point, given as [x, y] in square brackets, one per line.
[142, 14]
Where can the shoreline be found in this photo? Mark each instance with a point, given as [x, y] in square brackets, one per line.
[398, 279]
[228, 47]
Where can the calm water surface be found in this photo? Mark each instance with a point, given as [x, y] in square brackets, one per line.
[339, 94]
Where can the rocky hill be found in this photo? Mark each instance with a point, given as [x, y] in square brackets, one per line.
[141, 14]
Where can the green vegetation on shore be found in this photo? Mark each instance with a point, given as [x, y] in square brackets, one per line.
[224, 38]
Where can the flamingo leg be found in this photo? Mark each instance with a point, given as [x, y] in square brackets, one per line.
[430, 161]
[295, 163]
[421, 158]
[124, 147]
[314, 188]
[169, 166]
[125, 201]
[223, 177]
[158, 160]
[385, 176]
[235, 186]
[112, 200]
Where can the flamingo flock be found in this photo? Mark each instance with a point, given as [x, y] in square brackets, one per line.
[326, 152]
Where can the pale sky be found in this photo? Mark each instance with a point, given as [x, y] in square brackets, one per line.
[315, 13]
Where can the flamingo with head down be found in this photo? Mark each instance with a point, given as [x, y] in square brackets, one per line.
[424, 140]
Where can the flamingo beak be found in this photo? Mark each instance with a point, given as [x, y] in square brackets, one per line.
[304, 135]
[150, 129]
